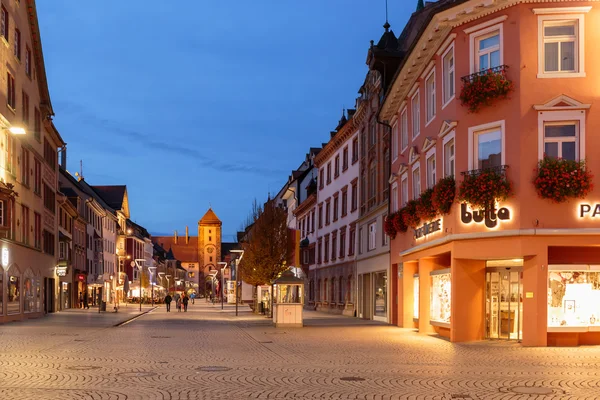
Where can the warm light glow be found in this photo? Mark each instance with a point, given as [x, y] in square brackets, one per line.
[17, 130]
[502, 215]
[129, 231]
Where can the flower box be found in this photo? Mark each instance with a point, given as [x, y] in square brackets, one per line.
[560, 180]
[481, 189]
[485, 87]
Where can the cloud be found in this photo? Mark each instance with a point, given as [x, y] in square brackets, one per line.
[149, 141]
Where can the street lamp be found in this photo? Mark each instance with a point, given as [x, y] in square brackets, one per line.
[237, 278]
[152, 270]
[16, 130]
[138, 263]
[224, 264]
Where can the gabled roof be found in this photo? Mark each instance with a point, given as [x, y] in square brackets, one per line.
[210, 218]
[182, 251]
[115, 196]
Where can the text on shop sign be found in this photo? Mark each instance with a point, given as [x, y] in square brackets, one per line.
[490, 216]
[587, 210]
[428, 228]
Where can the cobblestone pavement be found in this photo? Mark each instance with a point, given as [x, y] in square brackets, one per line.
[211, 354]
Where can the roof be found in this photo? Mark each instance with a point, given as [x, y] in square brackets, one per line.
[69, 192]
[113, 195]
[182, 251]
[226, 248]
[210, 218]
[38, 56]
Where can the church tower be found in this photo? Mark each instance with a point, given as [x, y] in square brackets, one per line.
[209, 242]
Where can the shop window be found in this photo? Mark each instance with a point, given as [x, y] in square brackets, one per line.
[416, 297]
[380, 298]
[13, 286]
[28, 294]
[573, 299]
[38, 295]
[487, 146]
[560, 140]
[440, 297]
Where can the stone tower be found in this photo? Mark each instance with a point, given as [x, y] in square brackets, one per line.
[209, 242]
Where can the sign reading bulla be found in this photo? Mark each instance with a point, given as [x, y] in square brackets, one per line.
[589, 210]
[489, 216]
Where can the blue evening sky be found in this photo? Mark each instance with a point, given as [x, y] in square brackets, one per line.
[204, 101]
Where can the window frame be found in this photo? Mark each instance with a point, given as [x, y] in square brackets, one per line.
[562, 14]
[394, 197]
[562, 116]
[431, 154]
[372, 236]
[476, 35]
[404, 129]
[404, 190]
[445, 78]
[416, 167]
[447, 139]
[395, 138]
[415, 115]
[430, 97]
[475, 130]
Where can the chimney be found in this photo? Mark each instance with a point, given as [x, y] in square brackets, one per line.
[175, 237]
[187, 235]
[63, 158]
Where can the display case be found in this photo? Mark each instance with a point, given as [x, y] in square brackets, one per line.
[440, 298]
[573, 300]
[416, 297]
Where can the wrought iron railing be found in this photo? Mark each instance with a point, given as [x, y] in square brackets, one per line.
[496, 70]
[499, 169]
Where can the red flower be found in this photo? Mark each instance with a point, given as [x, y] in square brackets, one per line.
[483, 89]
[559, 180]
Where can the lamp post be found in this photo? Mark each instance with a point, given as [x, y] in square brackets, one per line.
[152, 270]
[224, 264]
[237, 279]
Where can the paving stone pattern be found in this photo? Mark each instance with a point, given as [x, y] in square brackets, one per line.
[211, 354]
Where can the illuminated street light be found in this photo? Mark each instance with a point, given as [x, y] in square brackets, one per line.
[17, 130]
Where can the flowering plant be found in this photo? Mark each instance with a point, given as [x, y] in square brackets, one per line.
[443, 195]
[410, 215]
[483, 88]
[559, 180]
[484, 188]
[388, 225]
[425, 209]
[398, 221]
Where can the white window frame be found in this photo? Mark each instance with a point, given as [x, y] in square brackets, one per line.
[372, 231]
[478, 35]
[430, 97]
[416, 167]
[480, 129]
[404, 189]
[560, 141]
[431, 180]
[562, 14]
[404, 129]
[562, 116]
[415, 114]
[448, 138]
[445, 76]
[394, 196]
[395, 142]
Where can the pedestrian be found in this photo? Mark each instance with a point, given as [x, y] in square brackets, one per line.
[80, 299]
[193, 296]
[178, 303]
[168, 300]
[185, 302]
[85, 300]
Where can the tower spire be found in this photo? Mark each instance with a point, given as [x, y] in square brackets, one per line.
[386, 26]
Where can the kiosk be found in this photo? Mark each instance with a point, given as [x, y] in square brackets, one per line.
[289, 301]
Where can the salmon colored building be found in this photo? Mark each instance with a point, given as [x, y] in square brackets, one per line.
[525, 266]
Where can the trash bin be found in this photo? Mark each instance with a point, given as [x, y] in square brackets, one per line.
[260, 308]
[103, 306]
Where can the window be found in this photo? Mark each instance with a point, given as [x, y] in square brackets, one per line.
[327, 211]
[345, 201]
[329, 172]
[416, 183]
[49, 154]
[342, 242]
[333, 245]
[394, 198]
[560, 140]
[25, 105]
[28, 61]
[25, 173]
[354, 196]
[320, 216]
[49, 199]
[430, 96]
[336, 202]
[487, 51]
[448, 74]
[3, 219]
[363, 143]
[345, 159]
[416, 115]
[11, 96]
[17, 44]
[372, 133]
[312, 221]
[354, 150]
[395, 142]
[5, 24]
[326, 253]
[352, 241]
[404, 190]
[337, 166]
[319, 248]
[37, 176]
[449, 156]
[9, 152]
[62, 251]
[372, 181]
[360, 241]
[372, 243]
[404, 129]
[487, 148]
[321, 179]
[37, 124]
[48, 242]
[386, 238]
[431, 175]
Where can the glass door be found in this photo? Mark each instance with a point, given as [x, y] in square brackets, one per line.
[504, 304]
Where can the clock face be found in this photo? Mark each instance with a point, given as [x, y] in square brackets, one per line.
[210, 250]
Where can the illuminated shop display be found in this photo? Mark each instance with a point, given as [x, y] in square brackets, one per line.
[574, 299]
[440, 297]
[416, 297]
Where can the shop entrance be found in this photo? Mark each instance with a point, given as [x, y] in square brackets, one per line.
[504, 303]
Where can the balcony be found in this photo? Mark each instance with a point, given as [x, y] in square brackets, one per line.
[501, 70]
[499, 169]
[483, 88]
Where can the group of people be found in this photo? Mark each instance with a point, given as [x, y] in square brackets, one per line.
[180, 301]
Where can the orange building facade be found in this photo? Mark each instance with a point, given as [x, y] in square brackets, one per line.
[523, 267]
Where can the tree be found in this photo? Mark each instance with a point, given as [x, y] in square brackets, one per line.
[266, 246]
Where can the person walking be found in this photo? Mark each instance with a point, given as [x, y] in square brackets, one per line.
[193, 297]
[86, 305]
[80, 299]
[178, 304]
[185, 300]
[168, 300]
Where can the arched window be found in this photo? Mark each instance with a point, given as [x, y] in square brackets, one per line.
[13, 289]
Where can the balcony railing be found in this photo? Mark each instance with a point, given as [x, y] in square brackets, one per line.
[501, 69]
[499, 169]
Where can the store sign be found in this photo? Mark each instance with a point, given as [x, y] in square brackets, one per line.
[5, 257]
[61, 271]
[81, 277]
[589, 210]
[489, 216]
[428, 228]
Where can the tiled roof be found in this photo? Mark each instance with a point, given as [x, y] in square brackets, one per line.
[210, 218]
[113, 195]
[182, 251]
